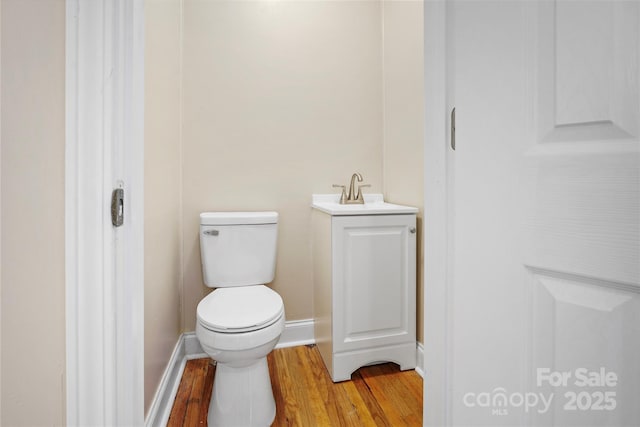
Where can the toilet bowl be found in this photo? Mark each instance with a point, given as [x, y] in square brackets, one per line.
[240, 322]
[238, 328]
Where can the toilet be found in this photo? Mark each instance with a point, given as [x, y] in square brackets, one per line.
[240, 322]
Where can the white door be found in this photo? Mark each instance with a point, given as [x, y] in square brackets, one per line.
[544, 183]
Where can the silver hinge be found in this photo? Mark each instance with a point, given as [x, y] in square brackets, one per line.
[117, 207]
[453, 129]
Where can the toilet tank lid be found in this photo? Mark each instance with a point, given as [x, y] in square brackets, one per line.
[238, 218]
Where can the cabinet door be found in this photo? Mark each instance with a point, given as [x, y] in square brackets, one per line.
[374, 281]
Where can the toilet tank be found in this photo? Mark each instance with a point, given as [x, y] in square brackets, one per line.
[238, 248]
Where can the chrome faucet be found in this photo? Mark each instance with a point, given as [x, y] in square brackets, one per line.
[354, 196]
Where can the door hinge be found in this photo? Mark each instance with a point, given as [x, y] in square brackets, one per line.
[117, 207]
[453, 129]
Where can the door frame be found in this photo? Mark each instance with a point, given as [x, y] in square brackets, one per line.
[104, 145]
[88, 359]
[437, 230]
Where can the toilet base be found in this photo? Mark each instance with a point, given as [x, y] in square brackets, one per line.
[242, 396]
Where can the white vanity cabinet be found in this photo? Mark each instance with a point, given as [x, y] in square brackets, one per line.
[364, 289]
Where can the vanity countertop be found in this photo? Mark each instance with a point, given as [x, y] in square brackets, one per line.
[374, 204]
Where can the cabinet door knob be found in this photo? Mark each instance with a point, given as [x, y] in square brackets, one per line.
[412, 230]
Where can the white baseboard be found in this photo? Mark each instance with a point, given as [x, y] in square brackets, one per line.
[162, 402]
[192, 348]
[420, 359]
[297, 332]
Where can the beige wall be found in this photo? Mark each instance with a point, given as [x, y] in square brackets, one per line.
[273, 101]
[33, 283]
[280, 100]
[404, 116]
[308, 75]
[162, 229]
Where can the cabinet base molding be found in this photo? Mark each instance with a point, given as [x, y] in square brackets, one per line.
[346, 363]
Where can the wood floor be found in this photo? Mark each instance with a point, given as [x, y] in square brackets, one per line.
[379, 395]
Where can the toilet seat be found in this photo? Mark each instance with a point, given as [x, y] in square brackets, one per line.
[240, 309]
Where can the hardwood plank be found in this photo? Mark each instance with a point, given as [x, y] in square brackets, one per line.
[379, 395]
[276, 386]
[208, 389]
[287, 390]
[377, 413]
[342, 402]
[361, 412]
[316, 379]
[310, 400]
[196, 401]
[176, 418]
[391, 392]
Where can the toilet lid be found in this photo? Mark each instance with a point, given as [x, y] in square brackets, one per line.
[240, 309]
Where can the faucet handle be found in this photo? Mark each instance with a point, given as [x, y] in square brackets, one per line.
[359, 195]
[343, 196]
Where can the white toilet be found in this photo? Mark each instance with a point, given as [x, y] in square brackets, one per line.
[240, 322]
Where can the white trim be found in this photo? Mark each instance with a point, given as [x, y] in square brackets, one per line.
[104, 144]
[192, 348]
[168, 388]
[130, 296]
[420, 359]
[437, 325]
[84, 242]
[296, 332]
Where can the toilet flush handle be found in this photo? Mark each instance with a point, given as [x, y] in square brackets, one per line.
[211, 232]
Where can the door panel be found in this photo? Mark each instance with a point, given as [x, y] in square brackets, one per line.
[583, 209]
[374, 281]
[583, 167]
[582, 227]
[587, 69]
[545, 185]
[581, 323]
[374, 270]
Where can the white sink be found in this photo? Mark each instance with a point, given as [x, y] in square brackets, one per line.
[374, 204]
